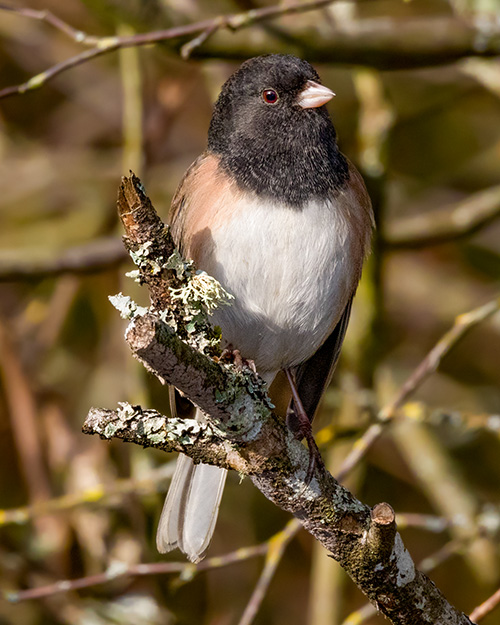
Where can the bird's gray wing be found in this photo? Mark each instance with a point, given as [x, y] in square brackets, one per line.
[314, 375]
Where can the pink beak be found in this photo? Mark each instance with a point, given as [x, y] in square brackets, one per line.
[314, 95]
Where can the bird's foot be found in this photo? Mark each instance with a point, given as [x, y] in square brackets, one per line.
[299, 424]
[301, 428]
[233, 356]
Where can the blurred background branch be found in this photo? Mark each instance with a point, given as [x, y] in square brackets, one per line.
[119, 570]
[371, 42]
[463, 323]
[447, 224]
[486, 607]
[98, 255]
[100, 494]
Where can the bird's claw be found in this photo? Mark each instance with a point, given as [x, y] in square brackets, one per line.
[233, 356]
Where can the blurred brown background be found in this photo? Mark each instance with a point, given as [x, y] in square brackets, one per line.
[425, 132]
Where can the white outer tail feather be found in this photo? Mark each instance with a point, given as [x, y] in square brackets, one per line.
[192, 504]
[191, 507]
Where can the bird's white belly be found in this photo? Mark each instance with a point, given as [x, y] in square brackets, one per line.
[290, 274]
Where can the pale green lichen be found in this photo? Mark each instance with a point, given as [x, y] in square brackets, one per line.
[135, 275]
[201, 291]
[183, 268]
[126, 306]
[158, 429]
[154, 424]
[110, 430]
[157, 439]
[141, 257]
[127, 411]
[152, 427]
[193, 299]
[142, 252]
[240, 392]
[245, 381]
[185, 431]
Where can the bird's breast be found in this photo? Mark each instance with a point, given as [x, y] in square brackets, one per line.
[291, 271]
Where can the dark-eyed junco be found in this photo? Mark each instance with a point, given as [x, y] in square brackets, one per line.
[283, 220]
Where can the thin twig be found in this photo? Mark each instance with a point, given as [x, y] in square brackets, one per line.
[104, 45]
[359, 449]
[448, 224]
[276, 548]
[98, 255]
[486, 607]
[429, 563]
[381, 42]
[98, 493]
[132, 117]
[463, 420]
[428, 522]
[463, 324]
[23, 410]
[47, 16]
[41, 79]
[120, 570]
[188, 48]
[24, 420]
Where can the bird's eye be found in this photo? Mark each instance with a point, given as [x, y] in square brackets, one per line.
[270, 96]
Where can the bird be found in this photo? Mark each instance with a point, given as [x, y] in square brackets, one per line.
[282, 219]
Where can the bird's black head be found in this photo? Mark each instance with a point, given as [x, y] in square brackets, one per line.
[274, 134]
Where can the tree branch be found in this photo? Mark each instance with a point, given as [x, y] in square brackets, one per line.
[426, 565]
[103, 45]
[383, 43]
[98, 255]
[462, 325]
[448, 224]
[242, 433]
[120, 570]
[486, 607]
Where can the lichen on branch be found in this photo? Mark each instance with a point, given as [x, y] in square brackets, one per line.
[182, 296]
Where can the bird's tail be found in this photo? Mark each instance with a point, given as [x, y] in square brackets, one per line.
[191, 508]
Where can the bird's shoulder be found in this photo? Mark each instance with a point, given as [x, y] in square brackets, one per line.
[357, 188]
[205, 197]
[185, 188]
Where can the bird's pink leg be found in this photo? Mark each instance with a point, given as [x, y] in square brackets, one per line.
[300, 424]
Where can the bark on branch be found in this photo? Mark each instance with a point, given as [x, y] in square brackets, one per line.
[242, 433]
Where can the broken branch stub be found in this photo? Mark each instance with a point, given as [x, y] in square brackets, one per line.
[148, 241]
